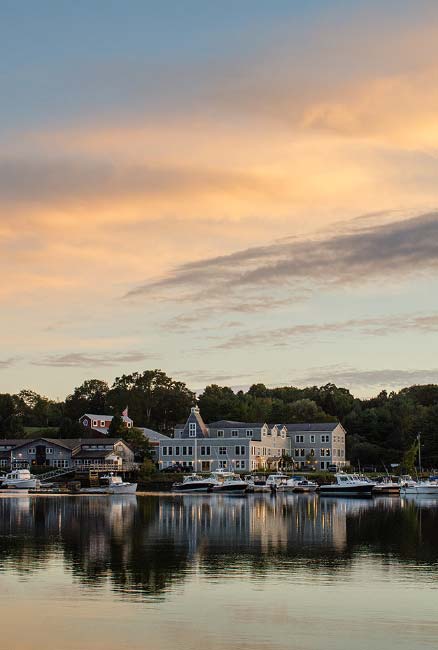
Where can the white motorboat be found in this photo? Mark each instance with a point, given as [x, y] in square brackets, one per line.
[386, 487]
[278, 483]
[419, 488]
[20, 479]
[257, 483]
[348, 485]
[116, 485]
[196, 483]
[301, 484]
[230, 483]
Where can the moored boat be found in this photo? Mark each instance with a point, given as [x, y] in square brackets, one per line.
[347, 485]
[195, 483]
[257, 483]
[116, 485]
[19, 479]
[386, 487]
[230, 483]
[278, 483]
[419, 488]
[301, 484]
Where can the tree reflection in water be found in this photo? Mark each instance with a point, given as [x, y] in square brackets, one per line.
[143, 544]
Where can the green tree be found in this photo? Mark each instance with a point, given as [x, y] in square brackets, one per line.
[410, 457]
[117, 427]
[154, 399]
[89, 397]
[306, 410]
[139, 443]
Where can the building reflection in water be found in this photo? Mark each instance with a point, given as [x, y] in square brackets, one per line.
[144, 544]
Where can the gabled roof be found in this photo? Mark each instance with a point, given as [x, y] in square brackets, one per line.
[311, 426]
[9, 442]
[67, 443]
[153, 436]
[92, 453]
[94, 416]
[231, 424]
[201, 427]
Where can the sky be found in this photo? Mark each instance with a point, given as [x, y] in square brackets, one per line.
[234, 192]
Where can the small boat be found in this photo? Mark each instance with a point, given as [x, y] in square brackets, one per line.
[195, 483]
[419, 488]
[348, 485]
[278, 483]
[229, 483]
[301, 484]
[116, 485]
[386, 486]
[20, 479]
[257, 483]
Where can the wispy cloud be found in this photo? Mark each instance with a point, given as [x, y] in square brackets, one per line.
[355, 377]
[382, 326]
[7, 363]
[64, 179]
[81, 360]
[394, 250]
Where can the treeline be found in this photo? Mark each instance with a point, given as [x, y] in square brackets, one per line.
[380, 429]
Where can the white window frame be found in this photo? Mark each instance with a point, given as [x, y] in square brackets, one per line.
[299, 438]
[192, 429]
[312, 438]
[222, 451]
[49, 450]
[31, 451]
[220, 433]
[234, 433]
[95, 423]
[249, 433]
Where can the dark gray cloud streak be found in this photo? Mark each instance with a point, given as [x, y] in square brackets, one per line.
[82, 360]
[390, 378]
[383, 326]
[394, 249]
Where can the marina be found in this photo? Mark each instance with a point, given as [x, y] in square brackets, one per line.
[116, 571]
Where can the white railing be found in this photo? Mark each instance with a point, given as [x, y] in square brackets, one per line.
[106, 467]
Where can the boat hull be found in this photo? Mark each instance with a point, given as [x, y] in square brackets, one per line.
[26, 484]
[203, 486]
[335, 490]
[305, 488]
[129, 488]
[420, 489]
[386, 491]
[230, 489]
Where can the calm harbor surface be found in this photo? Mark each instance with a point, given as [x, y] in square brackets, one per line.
[170, 572]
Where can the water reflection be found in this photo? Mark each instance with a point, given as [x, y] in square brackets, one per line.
[144, 544]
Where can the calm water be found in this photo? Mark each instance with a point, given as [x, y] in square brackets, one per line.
[214, 572]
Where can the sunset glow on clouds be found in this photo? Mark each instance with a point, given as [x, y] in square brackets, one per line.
[245, 194]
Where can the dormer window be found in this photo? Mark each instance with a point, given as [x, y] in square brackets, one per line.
[192, 430]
